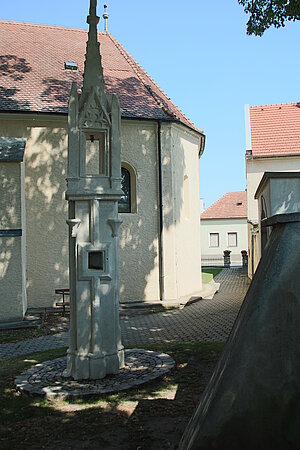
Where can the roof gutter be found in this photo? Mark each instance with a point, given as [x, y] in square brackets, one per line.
[52, 115]
[202, 144]
[272, 155]
[248, 130]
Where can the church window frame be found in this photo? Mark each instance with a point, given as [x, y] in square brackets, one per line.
[129, 206]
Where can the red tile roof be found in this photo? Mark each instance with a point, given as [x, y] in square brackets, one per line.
[33, 77]
[232, 205]
[275, 129]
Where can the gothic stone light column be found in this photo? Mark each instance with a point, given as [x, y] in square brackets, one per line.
[94, 188]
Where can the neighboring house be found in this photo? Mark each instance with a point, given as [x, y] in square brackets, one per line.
[224, 227]
[272, 145]
[160, 235]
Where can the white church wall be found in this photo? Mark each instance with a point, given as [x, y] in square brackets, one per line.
[10, 246]
[181, 212]
[46, 210]
[46, 213]
[138, 249]
[11, 279]
[188, 227]
[169, 215]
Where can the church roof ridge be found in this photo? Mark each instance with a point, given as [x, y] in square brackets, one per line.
[44, 25]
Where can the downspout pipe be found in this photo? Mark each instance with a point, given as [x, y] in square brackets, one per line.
[161, 217]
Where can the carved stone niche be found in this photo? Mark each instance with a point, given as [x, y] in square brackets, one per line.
[96, 153]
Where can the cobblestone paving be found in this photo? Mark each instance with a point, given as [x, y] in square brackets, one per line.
[205, 320]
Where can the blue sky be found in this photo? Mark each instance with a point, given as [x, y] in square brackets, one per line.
[200, 55]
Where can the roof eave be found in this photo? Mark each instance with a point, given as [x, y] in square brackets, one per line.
[271, 155]
[223, 218]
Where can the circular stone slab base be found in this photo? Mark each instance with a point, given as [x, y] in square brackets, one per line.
[46, 379]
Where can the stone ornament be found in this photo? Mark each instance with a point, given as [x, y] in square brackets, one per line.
[93, 192]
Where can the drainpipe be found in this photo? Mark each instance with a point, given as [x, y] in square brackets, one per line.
[161, 218]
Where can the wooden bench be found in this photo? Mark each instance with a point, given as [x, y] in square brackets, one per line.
[64, 292]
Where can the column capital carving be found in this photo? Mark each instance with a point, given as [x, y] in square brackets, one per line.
[114, 224]
[73, 226]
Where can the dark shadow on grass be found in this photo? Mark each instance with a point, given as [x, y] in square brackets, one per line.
[151, 417]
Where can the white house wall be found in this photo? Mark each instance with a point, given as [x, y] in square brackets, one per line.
[255, 169]
[223, 227]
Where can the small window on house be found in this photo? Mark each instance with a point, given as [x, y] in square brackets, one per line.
[214, 239]
[125, 201]
[232, 239]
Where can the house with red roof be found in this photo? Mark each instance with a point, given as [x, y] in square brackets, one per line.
[160, 235]
[224, 227]
[272, 145]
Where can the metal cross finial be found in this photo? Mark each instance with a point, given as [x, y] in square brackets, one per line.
[105, 17]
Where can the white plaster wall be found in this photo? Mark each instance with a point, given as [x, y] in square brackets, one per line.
[170, 215]
[255, 169]
[181, 237]
[253, 250]
[46, 213]
[46, 208]
[10, 279]
[223, 227]
[10, 247]
[138, 236]
[10, 195]
[285, 195]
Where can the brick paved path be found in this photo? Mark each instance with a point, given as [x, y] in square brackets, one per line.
[205, 320]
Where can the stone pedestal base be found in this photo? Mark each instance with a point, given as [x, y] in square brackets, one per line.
[46, 379]
[93, 366]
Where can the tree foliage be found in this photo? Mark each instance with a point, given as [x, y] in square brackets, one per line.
[265, 13]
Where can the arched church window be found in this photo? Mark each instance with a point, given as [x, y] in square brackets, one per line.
[125, 201]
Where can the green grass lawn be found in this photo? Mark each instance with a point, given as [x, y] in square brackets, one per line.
[208, 273]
